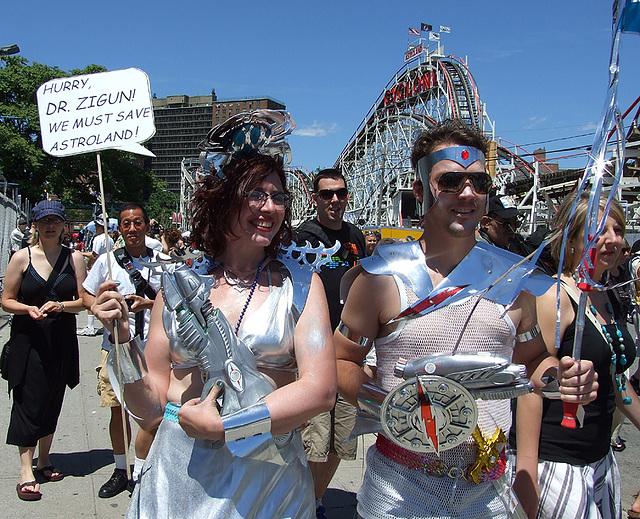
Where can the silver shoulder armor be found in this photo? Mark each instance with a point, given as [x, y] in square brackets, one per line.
[301, 263]
[479, 270]
[406, 260]
[485, 264]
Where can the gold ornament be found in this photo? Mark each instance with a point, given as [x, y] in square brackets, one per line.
[488, 453]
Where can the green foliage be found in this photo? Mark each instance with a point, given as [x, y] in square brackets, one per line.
[162, 203]
[22, 160]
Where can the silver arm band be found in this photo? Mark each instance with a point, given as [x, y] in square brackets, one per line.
[131, 363]
[551, 388]
[370, 398]
[527, 336]
[358, 339]
[248, 422]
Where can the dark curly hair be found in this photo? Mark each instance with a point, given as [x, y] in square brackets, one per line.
[216, 203]
[449, 131]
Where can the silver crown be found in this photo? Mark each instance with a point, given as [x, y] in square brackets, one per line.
[259, 131]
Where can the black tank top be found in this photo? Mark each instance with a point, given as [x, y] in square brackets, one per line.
[591, 442]
[63, 289]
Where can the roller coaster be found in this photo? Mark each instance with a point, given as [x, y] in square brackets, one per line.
[428, 88]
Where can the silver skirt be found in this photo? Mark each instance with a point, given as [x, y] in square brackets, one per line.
[183, 477]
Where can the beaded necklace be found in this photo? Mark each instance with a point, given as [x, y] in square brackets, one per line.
[621, 381]
[253, 289]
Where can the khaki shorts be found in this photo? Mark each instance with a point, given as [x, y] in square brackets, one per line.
[105, 390]
[328, 431]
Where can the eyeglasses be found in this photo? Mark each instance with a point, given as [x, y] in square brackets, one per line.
[50, 221]
[138, 223]
[454, 182]
[258, 198]
[328, 194]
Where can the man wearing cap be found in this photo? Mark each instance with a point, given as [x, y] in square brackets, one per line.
[440, 451]
[102, 242]
[17, 235]
[498, 226]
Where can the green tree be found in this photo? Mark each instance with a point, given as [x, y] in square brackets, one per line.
[162, 203]
[22, 160]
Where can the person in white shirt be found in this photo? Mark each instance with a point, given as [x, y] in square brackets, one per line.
[139, 285]
[17, 235]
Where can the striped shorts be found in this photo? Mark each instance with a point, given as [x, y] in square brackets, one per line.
[580, 492]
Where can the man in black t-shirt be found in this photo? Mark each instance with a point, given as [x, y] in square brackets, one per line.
[324, 437]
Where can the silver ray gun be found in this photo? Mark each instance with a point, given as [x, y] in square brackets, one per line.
[205, 331]
[434, 409]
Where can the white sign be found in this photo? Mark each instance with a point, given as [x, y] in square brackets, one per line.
[93, 112]
[412, 53]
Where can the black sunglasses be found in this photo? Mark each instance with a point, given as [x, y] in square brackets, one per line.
[454, 182]
[327, 194]
[506, 224]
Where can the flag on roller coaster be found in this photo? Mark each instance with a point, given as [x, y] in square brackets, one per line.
[434, 36]
[413, 31]
[425, 27]
[445, 29]
[631, 16]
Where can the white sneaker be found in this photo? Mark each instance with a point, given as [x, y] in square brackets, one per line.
[86, 331]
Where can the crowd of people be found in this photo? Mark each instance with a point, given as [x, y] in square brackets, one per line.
[259, 355]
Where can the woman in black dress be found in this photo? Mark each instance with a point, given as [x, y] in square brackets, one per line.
[43, 289]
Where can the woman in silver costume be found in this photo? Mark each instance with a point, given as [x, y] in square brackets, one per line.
[241, 216]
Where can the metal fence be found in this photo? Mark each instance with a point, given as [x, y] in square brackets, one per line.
[10, 211]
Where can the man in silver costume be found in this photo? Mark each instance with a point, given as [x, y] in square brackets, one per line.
[442, 295]
[237, 359]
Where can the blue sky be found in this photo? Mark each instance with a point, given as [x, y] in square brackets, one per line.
[541, 67]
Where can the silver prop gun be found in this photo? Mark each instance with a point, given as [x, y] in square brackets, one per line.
[434, 408]
[205, 332]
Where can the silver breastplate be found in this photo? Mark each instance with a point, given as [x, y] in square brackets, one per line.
[268, 332]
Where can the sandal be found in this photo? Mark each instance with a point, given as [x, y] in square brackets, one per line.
[50, 473]
[27, 494]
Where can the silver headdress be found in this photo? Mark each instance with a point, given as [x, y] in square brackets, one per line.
[260, 131]
[463, 155]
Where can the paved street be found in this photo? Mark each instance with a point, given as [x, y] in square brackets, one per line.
[81, 451]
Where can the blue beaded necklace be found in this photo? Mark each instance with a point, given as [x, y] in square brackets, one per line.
[253, 289]
[621, 381]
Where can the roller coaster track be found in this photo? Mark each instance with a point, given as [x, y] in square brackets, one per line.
[426, 90]
[463, 96]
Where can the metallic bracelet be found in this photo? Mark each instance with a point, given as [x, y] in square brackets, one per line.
[248, 422]
[352, 336]
[551, 388]
[131, 363]
[527, 336]
[61, 306]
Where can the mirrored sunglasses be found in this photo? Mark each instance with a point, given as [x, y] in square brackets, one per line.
[454, 182]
